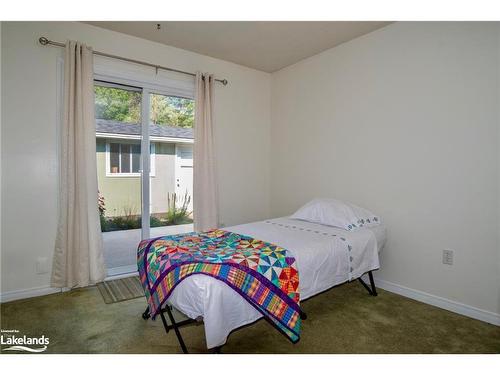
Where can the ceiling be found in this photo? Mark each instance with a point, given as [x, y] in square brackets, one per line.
[262, 45]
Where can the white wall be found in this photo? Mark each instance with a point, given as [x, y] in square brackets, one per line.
[403, 121]
[29, 138]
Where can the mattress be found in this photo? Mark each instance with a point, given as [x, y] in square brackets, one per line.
[326, 256]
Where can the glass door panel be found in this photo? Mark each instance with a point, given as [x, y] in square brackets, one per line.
[171, 179]
[118, 147]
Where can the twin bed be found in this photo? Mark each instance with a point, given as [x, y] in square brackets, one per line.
[325, 256]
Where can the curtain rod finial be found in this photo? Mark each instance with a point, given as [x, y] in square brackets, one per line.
[43, 41]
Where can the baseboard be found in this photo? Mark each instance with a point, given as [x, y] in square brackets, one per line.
[456, 307]
[116, 273]
[28, 293]
[121, 276]
[119, 271]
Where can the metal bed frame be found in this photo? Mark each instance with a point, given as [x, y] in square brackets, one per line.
[372, 290]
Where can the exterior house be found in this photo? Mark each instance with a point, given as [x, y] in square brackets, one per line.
[118, 166]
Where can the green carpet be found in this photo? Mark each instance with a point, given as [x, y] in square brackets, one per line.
[343, 320]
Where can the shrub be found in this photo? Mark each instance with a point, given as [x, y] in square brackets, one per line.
[101, 204]
[124, 222]
[177, 212]
[155, 222]
[104, 223]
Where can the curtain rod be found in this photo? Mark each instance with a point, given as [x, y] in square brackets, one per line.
[44, 41]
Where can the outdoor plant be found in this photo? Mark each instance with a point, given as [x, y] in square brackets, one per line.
[177, 212]
[129, 219]
[101, 204]
[123, 223]
[156, 222]
[129, 212]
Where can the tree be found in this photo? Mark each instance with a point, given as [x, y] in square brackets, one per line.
[172, 110]
[125, 106]
[117, 104]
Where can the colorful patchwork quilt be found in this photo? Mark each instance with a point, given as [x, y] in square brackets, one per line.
[262, 273]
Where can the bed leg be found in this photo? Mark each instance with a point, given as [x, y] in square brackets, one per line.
[176, 328]
[303, 315]
[372, 284]
[371, 289]
[164, 321]
[145, 314]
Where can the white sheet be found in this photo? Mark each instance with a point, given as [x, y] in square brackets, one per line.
[326, 257]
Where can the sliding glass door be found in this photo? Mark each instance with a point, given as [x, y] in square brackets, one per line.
[144, 142]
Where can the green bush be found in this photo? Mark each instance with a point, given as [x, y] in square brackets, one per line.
[177, 214]
[101, 204]
[104, 223]
[178, 209]
[155, 222]
[124, 222]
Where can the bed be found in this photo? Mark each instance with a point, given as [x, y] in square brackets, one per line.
[325, 256]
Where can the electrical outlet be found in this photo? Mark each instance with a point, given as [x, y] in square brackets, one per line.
[42, 265]
[448, 257]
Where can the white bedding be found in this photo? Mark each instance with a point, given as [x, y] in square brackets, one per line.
[326, 256]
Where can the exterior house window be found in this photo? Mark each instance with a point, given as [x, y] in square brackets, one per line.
[124, 159]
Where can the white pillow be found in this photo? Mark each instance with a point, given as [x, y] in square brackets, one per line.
[336, 213]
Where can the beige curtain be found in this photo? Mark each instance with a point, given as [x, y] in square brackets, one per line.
[204, 175]
[78, 256]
